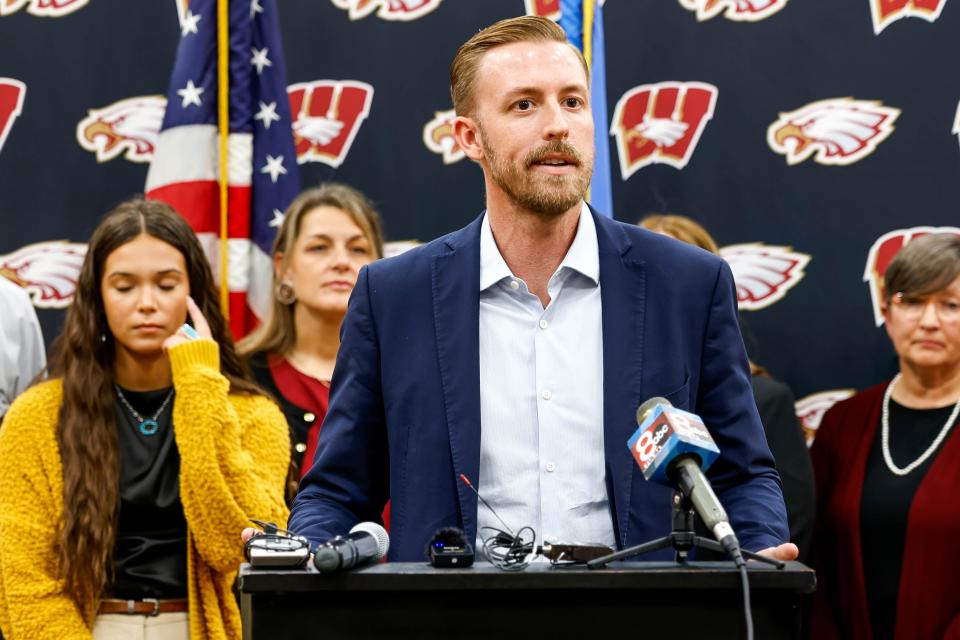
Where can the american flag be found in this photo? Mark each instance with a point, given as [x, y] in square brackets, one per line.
[263, 173]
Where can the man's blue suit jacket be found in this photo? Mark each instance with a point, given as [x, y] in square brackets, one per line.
[404, 416]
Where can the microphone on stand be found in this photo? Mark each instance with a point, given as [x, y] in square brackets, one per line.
[367, 542]
[673, 447]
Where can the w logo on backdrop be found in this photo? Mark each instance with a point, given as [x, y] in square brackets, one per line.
[543, 8]
[661, 123]
[327, 115]
[737, 10]
[885, 12]
[404, 10]
[880, 256]
[12, 93]
[839, 131]
[42, 8]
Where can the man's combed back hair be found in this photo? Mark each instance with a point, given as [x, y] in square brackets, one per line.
[463, 71]
[925, 265]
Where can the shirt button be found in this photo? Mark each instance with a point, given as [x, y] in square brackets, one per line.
[551, 467]
[514, 285]
[544, 324]
[546, 394]
[309, 417]
[301, 447]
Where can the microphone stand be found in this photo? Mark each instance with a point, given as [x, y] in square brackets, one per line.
[682, 539]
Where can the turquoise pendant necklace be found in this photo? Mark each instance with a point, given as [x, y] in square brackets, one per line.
[147, 426]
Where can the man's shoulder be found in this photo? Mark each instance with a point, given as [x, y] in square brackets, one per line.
[420, 258]
[656, 249]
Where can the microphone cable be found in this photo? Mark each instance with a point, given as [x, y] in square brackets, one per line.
[506, 550]
[748, 614]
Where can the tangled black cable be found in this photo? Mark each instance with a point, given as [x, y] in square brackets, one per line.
[509, 552]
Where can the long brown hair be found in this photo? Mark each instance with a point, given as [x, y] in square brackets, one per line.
[278, 333]
[83, 356]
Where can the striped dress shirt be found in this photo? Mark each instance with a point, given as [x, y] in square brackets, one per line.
[541, 397]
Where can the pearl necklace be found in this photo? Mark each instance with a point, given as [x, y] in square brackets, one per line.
[885, 434]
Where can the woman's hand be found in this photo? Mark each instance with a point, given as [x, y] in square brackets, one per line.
[184, 333]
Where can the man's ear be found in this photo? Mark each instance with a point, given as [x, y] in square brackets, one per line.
[467, 134]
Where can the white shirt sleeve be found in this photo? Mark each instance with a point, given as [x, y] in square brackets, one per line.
[22, 351]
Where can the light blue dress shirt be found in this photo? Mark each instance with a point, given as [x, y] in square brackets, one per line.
[541, 397]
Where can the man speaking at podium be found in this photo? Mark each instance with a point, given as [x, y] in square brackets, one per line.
[515, 351]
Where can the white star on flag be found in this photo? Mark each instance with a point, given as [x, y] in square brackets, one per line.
[274, 167]
[189, 24]
[277, 219]
[190, 94]
[267, 113]
[260, 59]
[255, 7]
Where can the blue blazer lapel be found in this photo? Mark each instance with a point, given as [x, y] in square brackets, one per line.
[456, 313]
[623, 296]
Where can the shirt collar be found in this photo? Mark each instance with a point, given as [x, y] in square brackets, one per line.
[582, 256]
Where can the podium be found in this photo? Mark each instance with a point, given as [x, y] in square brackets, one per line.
[412, 600]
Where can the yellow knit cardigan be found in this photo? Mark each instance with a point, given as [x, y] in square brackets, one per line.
[234, 454]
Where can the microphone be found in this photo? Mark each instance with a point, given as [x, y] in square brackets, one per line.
[673, 447]
[366, 542]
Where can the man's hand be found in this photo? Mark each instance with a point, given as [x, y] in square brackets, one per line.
[785, 552]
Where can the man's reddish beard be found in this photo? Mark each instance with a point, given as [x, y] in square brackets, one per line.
[547, 195]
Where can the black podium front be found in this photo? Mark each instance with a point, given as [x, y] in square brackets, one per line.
[402, 600]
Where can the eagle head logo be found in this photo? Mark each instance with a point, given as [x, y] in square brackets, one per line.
[12, 94]
[130, 127]
[403, 10]
[737, 10]
[881, 255]
[838, 131]
[763, 273]
[885, 12]
[810, 409]
[543, 8]
[48, 271]
[661, 123]
[42, 8]
[327, 115]
[438, 137]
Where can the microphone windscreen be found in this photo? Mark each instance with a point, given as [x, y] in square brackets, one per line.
[380, 535]
[649, 406]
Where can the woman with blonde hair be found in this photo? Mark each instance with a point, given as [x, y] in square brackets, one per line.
[327, 234]
[124, 478]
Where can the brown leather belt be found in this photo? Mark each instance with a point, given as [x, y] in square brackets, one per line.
[147, 606]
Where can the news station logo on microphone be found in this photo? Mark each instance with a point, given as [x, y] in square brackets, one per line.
[666, 432]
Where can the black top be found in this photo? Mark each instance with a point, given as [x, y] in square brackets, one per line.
[788, 445]
[150, 554]
[885, 506]
[297, 419]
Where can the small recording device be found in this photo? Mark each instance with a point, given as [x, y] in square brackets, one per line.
[276, 547]
[449, 549]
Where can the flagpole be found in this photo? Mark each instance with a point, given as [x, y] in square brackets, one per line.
[223, 121]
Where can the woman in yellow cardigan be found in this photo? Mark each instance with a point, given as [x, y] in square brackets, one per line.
[125, 478]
